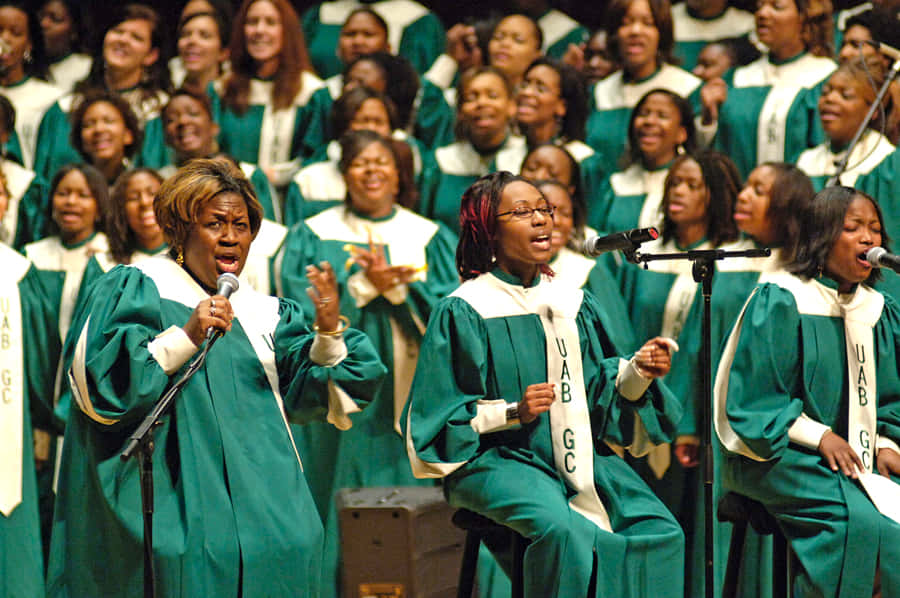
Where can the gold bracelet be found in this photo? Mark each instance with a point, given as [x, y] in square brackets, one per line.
[341, 320]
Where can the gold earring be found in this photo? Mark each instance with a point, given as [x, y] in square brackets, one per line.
[179, 259]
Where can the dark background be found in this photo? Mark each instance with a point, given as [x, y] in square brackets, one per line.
[588, 12]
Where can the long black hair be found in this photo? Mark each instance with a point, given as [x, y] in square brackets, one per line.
[823, 224]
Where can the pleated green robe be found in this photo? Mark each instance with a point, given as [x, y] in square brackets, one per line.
[31, 332]
[372, 453]
[484, 345]
[233, 514]
[790, 360]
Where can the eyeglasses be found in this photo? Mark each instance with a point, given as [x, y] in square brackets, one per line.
[525, 212]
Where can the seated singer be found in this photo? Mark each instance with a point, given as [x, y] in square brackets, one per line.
[233, 513]
[517, 388]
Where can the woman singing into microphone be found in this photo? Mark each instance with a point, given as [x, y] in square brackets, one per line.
[517, 424]
[234, 516]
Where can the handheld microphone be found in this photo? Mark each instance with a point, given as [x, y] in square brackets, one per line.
[628, 239]
[889, 51]
[880, 258]
[226, 284]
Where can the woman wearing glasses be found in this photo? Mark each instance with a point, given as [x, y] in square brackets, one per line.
[511, 426]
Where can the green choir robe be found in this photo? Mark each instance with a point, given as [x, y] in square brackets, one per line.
[613, 98]
[629, 199]
[233, 513]
[24, 220]
[272, 139]
[451, 169]
[372, 453]
[29, 347]
[31, 98]
[413, 32]
[771, 114]
[484, 345]
[693, 33]
[783, 380]
[820, 163]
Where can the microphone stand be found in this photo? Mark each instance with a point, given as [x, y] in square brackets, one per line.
[842, 166]
[703, 272]
[140, 446]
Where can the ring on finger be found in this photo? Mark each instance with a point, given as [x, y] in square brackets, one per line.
[324, 300]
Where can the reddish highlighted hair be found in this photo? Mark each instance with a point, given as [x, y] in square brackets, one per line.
[478, 224]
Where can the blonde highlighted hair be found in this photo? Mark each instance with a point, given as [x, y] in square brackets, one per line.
[183, 195]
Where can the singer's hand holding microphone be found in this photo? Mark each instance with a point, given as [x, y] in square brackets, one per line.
[213, 316]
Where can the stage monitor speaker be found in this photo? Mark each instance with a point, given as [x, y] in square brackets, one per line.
[398, 542]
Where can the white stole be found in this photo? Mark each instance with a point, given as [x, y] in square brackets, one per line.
[860, 312]
[12, 386]
[570, 424]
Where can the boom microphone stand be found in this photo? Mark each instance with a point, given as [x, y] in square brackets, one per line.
[703, 271]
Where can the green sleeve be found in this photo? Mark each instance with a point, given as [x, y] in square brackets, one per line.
[154, 153]
[883, 183]
[434, 117]
[450, 378]
[305, 385]
[40, 293]
[34, 213]
[422, 42]
[612, 415]
[318, 129]
[120, 317]
[762, 400]
[887, 348]
[264, 193]
[301, 247]
[293, 205]
[441, 278]
[92, 272]
[599, 206]
[53, 147]
[574, 37]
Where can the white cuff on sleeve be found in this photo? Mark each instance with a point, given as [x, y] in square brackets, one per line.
[328, 350]
[630, 383]
[490, 416]
[397, 294]
[807, 432]
[705, 133]
[171, 349]
[883, 442]
[442, 71]
[361, 289]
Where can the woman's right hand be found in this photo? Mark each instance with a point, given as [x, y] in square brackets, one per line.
[713, 94]
[536, 400]
[840, 455]
[215, 312]
[380, 273]
[462, 46]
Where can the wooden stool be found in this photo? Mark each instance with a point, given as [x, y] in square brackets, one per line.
[479, 528]
[740, 510]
